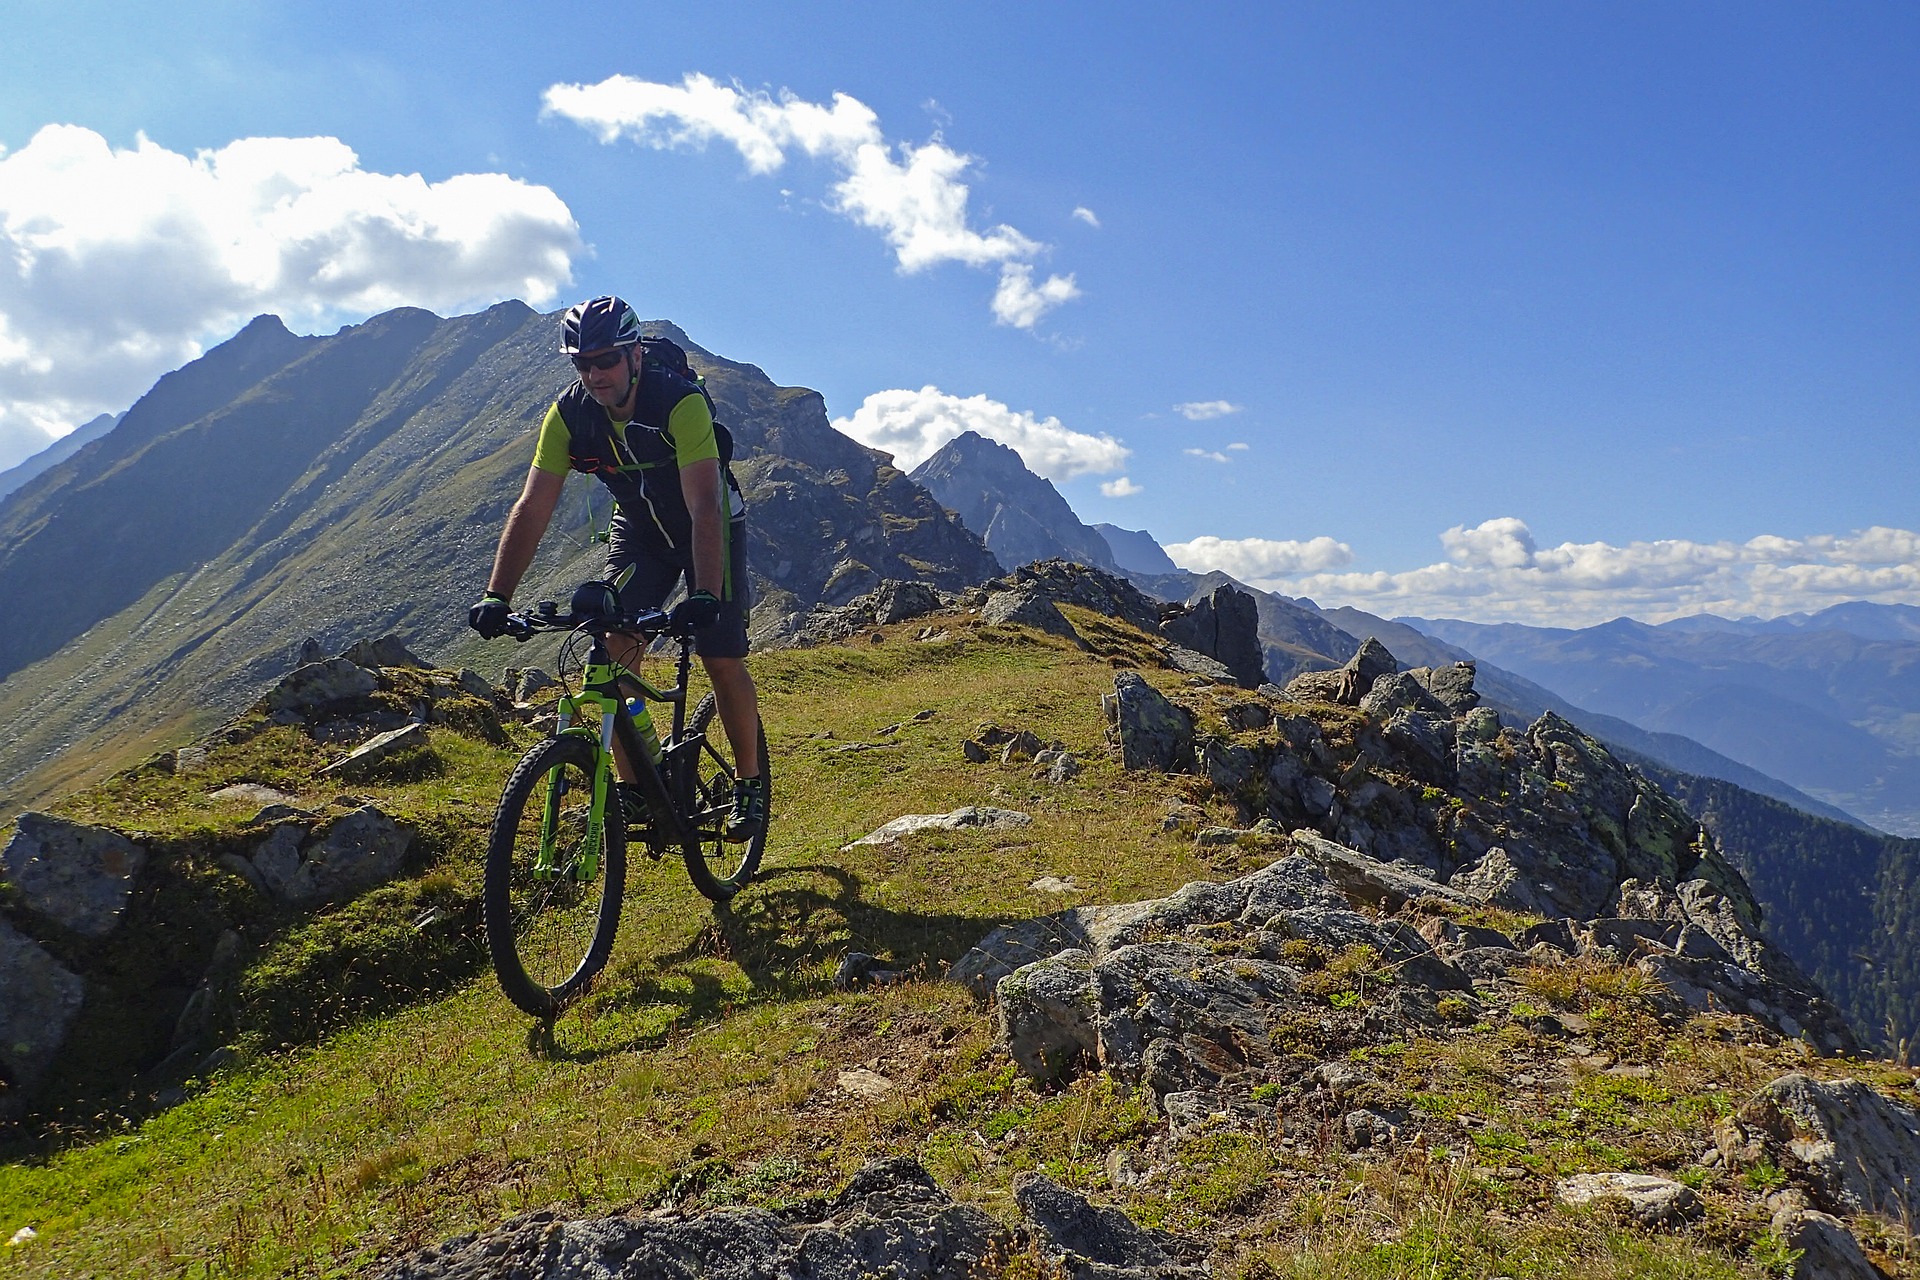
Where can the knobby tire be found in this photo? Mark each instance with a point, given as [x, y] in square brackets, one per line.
[719, 869]
[550, 937]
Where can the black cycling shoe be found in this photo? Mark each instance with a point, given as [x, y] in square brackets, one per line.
[634, 813]
[749, 816]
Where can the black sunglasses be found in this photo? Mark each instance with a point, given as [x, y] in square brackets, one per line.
[605, 360]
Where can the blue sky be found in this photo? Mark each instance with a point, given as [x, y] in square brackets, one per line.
[1514, 310]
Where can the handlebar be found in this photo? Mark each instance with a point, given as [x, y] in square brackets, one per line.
[547, 617]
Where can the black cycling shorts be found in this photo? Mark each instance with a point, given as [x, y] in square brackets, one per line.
[654, 579]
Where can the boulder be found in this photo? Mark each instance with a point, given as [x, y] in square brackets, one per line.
[1195, 663]
[1649, 1201]
[896, 601]
[1066, 582]
[1096, 1243]
[1313, 686]
[890, 1220]
[1151, 731]
[1854, 1149]
[316, 685]
[1367, 665]
[1451, 686]
[375, 750]
[364, 849]
[79, 877]
[1028, 608]
[967, 817]
[1223, 624]
[1045, 1016]
[38, 1000]
[387, 651]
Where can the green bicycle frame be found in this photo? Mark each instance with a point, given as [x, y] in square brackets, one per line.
[601, 702]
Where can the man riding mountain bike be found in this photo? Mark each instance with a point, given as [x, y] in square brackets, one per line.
[648, 434]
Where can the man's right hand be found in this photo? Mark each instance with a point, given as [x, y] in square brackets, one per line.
[489, 617]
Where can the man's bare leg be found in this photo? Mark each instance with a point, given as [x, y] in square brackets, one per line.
[739, 705]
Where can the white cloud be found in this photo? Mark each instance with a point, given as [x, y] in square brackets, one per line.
[1238, 446]
[1257, 560]
[911, 425]
[1086, 215]
[1211, 455]
[1495, 571]
[1201, 410]
[119, 264]
[1020, 303]
[1124, 487]
[914, 196]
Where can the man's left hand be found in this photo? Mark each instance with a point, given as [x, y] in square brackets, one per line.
[701, 609]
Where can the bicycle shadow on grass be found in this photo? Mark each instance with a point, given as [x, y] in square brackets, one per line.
[785, 934]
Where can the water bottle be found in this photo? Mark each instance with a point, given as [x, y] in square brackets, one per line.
[643, 721]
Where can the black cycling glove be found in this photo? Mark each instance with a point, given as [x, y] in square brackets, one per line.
[701, 609]
[489, 617]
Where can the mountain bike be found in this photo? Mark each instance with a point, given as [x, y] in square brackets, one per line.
[557, 850]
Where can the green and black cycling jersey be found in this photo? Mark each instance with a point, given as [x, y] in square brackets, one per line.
[639, 461]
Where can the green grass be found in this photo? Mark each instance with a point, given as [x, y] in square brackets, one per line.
[386, 1096]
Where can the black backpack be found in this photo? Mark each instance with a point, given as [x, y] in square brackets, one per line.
[669, 355]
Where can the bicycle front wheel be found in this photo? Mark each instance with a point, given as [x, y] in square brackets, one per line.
[552, 899]
[719, 868]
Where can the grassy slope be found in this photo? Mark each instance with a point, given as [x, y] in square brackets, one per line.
[703, 1068]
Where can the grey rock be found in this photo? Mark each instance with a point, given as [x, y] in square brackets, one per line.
[1317, 794]
[1828, 1250]
[1225, 625]
[967, 817]
[1370, 881]
[1229, 766]
[475, 685]
[383, 746]
[79, 877]
[526, 685]
[1045, 1015]
[1393, 691]
[1361, 670]
[253, 793]
[891, 1220]
[1651, 1201]
[897, 601]
[38, 1000]
[1855, 1150]
[975, 752]
[387, 651]
[1059, 765]
[1314, 686]
[363, 849]
[1028, 608]
[188, 760]
[1244, 716]
[1195, 663]
[1065, 582]
[1452, 686]
[1094, 1243]
[317, 685]
[1023, 746]
[1152, 732]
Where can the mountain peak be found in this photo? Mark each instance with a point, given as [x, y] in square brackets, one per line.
[1020, 515]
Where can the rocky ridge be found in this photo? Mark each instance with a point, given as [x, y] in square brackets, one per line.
[1399, 870]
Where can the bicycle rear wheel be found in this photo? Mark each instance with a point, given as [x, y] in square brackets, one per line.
[719, 869]
[550, 929]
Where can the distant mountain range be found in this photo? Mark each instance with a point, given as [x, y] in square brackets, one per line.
[283, 487]
[59, 451]
[1832, 711]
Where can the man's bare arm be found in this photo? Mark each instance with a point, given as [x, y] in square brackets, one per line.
[526, 524]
